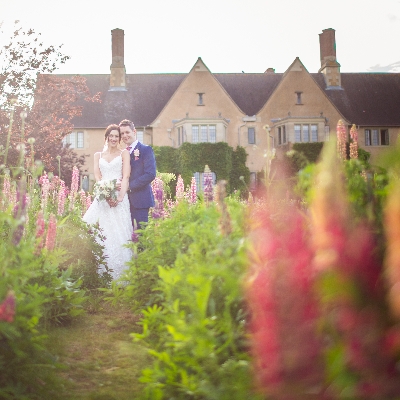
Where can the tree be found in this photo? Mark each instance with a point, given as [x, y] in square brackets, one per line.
[57, 102]
[52, 102]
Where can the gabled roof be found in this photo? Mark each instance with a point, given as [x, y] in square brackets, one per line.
[143, 100]
[367, 99]
[249, 91]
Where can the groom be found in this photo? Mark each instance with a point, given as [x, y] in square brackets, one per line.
[143, 172]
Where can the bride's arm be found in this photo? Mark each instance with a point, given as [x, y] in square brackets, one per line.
[97, 173]
[126, 171]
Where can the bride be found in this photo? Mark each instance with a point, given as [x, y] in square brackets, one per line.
[114, 221]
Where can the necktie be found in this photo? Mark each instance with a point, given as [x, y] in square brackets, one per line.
[129, 148]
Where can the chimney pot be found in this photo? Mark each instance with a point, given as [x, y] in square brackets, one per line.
[327, 45]
[329, 65]
[118, 73]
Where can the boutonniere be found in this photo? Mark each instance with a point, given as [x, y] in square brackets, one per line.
[136, 153]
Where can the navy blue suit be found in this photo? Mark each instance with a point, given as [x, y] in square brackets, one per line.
[143, 172]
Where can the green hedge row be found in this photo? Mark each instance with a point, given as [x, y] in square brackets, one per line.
[227, 163]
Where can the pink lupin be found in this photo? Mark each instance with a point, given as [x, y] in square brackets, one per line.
[82, 196]
[341, 139]
[61, 198]
[193, 191]
[40, 229]
[180, 189]
[44, 181]
[74, 187]
[51, 233]
[6, 189]
[88, 201]
[7, 308]
[75, 180]
[354, 143]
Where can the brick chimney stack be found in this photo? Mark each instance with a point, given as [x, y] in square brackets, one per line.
[329, 65]
[117, 77]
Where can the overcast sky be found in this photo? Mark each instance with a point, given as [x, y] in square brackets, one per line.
[229, 35]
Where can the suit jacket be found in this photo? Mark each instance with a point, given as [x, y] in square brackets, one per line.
[143, 172]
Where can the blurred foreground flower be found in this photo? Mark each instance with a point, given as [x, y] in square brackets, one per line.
[320, 324]
[284, 314]
[392, 260]
[7, 308]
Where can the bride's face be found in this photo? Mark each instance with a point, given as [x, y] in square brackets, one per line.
[113, 139]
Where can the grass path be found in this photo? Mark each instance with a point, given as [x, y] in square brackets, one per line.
[98, 357]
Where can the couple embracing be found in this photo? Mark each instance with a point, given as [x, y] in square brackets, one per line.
[134, 168]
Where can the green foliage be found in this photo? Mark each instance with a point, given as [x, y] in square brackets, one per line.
[193, 158]
[22, 344]
[63, 295]
[188, 278]
[82, 254]
[169, 182]
[167, 159]
[366, 188]
[228, 164]
[296, 161]
[239, 169]
[363, 155]
[311, 151]
[47, 288]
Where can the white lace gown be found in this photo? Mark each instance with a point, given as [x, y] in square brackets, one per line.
[115, 222]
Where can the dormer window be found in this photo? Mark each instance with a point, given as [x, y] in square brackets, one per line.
[298, 97]
[200, 99]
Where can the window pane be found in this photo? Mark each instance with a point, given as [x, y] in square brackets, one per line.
[140, 136]
[204, 137]
[195, 134]
[306, 133]
[375, 139]
[368, 137]
[251, 132]
[314, 133]
[212, 131]
[279, 135]
[297, 133]
[65, 140]
[384, 137]
[72, 140]
[284, 134]
[80, 140]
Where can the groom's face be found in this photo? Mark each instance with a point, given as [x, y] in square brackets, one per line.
[128, 135]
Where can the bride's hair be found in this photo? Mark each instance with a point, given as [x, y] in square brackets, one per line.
[112, 127]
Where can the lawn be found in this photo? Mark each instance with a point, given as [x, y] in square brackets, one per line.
[97, 357]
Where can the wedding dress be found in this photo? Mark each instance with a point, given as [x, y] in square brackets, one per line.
[115, 222]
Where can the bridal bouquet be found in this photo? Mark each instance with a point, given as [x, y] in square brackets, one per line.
[105, 190]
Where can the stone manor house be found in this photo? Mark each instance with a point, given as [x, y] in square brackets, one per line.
[201, 106]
